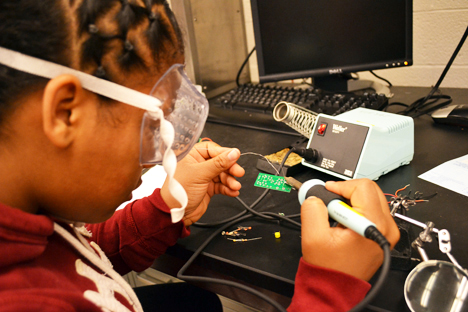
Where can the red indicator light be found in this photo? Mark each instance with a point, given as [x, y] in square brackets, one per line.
[321, 129]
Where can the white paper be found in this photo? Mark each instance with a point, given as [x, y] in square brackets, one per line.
[452, 175]
[151, 180]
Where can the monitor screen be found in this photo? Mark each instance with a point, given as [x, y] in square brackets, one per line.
[316, 38]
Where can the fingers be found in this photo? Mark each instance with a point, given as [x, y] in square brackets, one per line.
[363, 194]
[225, 190]
[209, 149]
[366, 197]
[226, 184]
[314, 217]
[218, 165]
[224, 162]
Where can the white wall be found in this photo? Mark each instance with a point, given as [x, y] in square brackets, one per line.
[438, 26]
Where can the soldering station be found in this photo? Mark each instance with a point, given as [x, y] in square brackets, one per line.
[345, 138]
[307, 118]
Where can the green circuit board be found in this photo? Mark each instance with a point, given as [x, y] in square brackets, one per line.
[272, 182]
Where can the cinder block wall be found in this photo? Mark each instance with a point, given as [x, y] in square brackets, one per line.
[438, 26]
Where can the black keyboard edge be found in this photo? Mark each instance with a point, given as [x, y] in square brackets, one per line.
[249, 119]
[263, 119]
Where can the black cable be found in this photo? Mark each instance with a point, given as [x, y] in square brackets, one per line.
[449, 64]
[381, 78]
[419, 107]
[242, 66]
[253, 213]
[374, 234]
[415, 109]
[308, 154]
[269, 215]
[378, 284]
[213, 224]
[181, 272]
[260, 198]
[377, 309]
[426, 108]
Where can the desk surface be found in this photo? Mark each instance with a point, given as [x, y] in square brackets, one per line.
[270, 264]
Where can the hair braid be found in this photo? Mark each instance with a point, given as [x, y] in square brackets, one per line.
[161, 36]
[90, 10]
[113, 39]
[130, 15]
[158, 31]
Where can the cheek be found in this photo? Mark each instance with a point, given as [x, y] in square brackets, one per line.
[119, 158]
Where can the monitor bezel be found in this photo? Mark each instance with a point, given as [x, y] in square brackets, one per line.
[332, 71]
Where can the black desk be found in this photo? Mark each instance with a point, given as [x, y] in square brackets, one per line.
[270, 264]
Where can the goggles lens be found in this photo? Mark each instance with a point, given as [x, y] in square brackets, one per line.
[183, 106]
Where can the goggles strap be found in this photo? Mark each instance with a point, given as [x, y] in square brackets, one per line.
[170, 163]
[46, 69]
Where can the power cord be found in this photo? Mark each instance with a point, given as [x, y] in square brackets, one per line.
[242, 66]
[430, 103]
[377, 237]
[381, 78]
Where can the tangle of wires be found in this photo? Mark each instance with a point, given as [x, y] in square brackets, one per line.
[250, 212]
[434, 100]
[222, 225]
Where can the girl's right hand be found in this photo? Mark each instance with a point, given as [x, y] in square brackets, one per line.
[342, 249]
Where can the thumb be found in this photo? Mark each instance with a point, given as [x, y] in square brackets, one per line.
[314, 218]
[221, 162]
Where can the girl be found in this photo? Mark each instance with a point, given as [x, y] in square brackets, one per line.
[91, 92]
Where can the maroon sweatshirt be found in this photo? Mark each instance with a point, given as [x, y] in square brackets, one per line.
[50, 266]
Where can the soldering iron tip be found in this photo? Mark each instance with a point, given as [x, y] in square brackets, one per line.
[293, 182]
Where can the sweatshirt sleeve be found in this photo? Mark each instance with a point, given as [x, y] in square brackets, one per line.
[325, 290]
[136, 235]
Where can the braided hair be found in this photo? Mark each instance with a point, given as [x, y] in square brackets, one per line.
[111, 39]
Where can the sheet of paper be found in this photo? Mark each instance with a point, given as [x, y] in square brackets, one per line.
[151, 180]
[452, 175]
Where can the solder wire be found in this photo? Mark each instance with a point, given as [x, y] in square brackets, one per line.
[264, 215]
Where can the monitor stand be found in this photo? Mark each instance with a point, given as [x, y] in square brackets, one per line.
[345, 83]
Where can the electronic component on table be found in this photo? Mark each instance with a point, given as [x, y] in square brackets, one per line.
[251, 105]
[361, 143]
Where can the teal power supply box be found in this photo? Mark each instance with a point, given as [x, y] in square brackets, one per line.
[361, 143]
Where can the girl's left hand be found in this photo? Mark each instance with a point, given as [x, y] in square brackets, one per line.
[207, 170]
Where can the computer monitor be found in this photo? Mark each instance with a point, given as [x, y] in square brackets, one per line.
[329, 39]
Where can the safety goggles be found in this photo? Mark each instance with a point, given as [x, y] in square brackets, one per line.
[183, 106]
[173, 95]
[175, 112]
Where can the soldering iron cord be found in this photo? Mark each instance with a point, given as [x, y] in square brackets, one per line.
[378, 284]
[249, 212]
[181, 272]
[226, 224]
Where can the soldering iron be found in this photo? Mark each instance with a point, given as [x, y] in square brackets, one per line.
[344, 214]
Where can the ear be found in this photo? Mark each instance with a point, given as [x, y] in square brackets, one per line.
[61, 104]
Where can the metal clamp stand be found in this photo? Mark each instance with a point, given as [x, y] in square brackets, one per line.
[425, 237]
